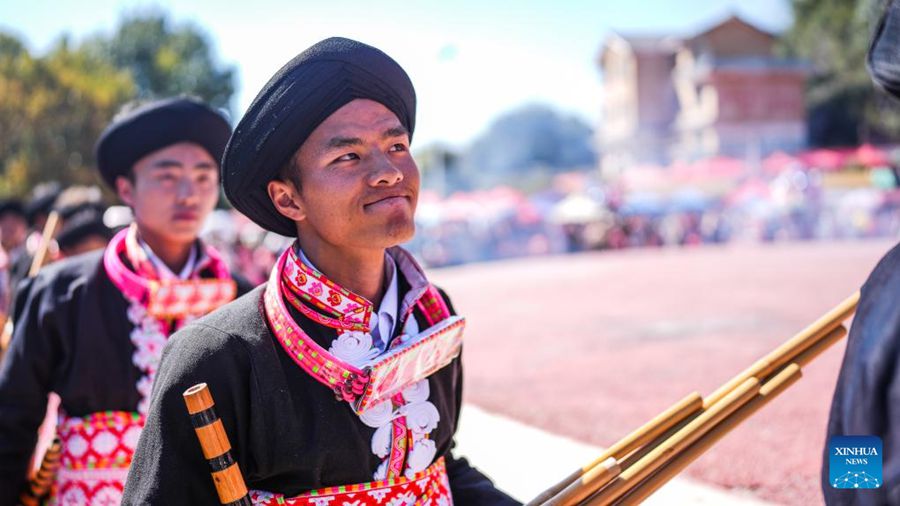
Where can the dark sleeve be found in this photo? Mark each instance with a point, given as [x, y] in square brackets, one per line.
[867, 396]
[168, 466]
[883, 60]
[467, 484]
[26, 376]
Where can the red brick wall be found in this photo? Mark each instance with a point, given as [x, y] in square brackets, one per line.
[764, 96]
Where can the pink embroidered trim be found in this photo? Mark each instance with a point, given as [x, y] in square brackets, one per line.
[96, 453]
[400, 442]
[433, 306]
[422, 358]
[100, 440]
[158, 308]
[169, 299]
[352, 311]
[430, 486]
[346, 380]
[290, 294]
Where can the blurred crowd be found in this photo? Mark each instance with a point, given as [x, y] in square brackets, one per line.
[722, 200]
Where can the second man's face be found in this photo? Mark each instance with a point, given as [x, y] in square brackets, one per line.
[173, 191]
[359, 184]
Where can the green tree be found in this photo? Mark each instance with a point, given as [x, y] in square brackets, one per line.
[166, 58]
[52, 109]
[844, 106]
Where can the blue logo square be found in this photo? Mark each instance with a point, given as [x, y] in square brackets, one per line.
[854, 462]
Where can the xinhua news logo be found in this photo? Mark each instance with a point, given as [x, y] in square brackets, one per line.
[854, 462]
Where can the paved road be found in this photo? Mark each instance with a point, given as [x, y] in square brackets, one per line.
[590, 346]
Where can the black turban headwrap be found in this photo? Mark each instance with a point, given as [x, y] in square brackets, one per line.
[300, 96]
[14, 207]
[42, 202]
[81, 221]
[154, 126]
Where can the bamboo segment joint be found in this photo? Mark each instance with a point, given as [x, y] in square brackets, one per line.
[216, 448]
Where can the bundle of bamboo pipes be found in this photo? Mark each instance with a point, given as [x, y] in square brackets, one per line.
[636, 466]
[40, 481]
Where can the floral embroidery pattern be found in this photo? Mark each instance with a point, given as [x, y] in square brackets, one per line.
[351, 311]
[403, 424]
[148, 339]
[354, 347]
[430, 486]
[96, 452]
[157, 309]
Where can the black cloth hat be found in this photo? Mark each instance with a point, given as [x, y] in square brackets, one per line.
[75, 211]
[300, 96]
[12, 206]
[42, 201]
[88, 222]
[154, 126]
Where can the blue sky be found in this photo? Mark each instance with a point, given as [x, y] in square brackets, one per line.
[469, 60]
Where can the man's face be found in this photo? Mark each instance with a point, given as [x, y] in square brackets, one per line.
[359, 184]
[174, 189]
[13, 229]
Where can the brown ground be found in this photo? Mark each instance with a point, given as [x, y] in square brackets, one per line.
[593, 345]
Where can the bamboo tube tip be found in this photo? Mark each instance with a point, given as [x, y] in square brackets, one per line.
[197, 398]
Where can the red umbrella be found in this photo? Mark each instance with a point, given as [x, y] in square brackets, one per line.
[780, 161]
[871, 156]
[718, 167]
[825, 159]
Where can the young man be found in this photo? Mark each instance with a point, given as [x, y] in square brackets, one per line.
[322, 154]
[91, 328]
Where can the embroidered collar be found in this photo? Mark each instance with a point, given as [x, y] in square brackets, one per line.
[145, 263]
[347, 380]
[346, 299]
[167, 298]
[347, 310]
[344, 309]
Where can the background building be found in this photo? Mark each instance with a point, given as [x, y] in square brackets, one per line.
[720, 92]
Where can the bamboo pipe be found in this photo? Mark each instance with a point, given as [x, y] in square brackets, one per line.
[5, 335]
[804, 358]
[46, 236]
[780, 382]
[785, 353]
[669, 448]
[215, 445]
[639, 453]
[801, 359]
[774, 386]
[39, 485]
[582, 482]
[37, 262]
